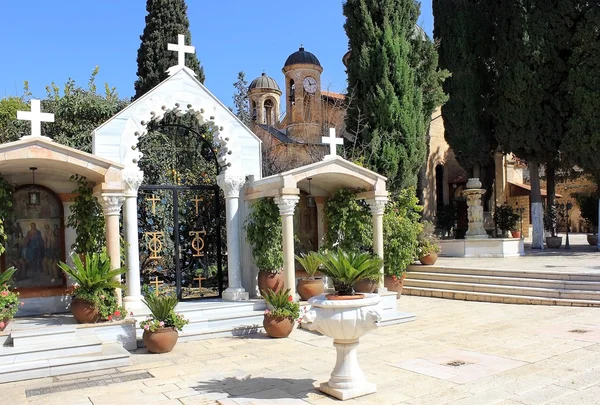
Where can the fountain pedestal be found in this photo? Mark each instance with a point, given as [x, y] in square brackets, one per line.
[345, 321]
[473, 193]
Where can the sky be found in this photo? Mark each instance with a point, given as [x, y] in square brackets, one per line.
[51, 41]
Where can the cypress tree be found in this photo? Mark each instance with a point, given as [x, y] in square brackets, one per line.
[166, 19]
[240, 99]
[385, 110]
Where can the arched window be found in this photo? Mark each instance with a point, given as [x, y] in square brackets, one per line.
[269, 112]
[254, 116]
[292, 92]
[439, 186]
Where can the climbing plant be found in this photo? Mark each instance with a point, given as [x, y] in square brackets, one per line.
[86, 218]
[348, 222]
[263, 232]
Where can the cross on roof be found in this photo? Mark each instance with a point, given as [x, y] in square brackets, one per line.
[181, 48]
[333, 142]
[36, 117]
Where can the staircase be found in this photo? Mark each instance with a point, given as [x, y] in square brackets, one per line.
[56, 350]
[504, 286]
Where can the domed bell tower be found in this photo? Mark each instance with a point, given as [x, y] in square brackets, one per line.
[264, 96]
[302, 72]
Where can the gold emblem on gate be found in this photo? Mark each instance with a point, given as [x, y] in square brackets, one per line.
[198, 242]
[154, 199]
[155, 245]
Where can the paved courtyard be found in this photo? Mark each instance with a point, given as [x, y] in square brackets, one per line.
[457, 352]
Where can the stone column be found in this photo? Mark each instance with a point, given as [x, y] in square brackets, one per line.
[111, 205]
[133, 180]
[231, 186]
[320, 202]
[287, 205]
[377, 206]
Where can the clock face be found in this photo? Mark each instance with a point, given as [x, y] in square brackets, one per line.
[310, 84]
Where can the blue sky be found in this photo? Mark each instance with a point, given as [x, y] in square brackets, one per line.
[45, 41]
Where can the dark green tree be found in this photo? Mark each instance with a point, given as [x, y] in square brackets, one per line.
[464, 29]
[166, 19]
[240, 99]
[385, 110]
[11, 128]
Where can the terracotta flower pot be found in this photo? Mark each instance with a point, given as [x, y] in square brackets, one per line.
[394, 284]
[4, 324]
[516, 234]
[161, 341]
[366, 286]
[592, 240]
[309, 288]
[84, 311]
[430, 259]
[278, 326]
[553, 242]
[270, 281]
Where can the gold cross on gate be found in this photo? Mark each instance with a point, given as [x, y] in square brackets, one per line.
[154, 199]
[155, 282]
[199, 278]
[197, 200]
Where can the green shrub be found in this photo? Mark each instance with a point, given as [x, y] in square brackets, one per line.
[310, 262]
[263, 232]
[348, 268]
[162, 309]
[349, 224]
[282, 304]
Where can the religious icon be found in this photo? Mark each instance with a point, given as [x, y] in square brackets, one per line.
[198, 242]
[155, 245]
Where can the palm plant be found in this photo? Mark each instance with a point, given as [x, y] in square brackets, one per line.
[347, 269]
[282, 304]
[7, 275]
[310, 262]
[92, 274]
[162, 308]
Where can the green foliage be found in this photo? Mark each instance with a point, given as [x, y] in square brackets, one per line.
[348, 268]
[427, 242]
[388, 85]
[446, 219]
[282, 304]
[401, 228]
[86, 218]
[551, 219]
[165, 20]
[588, 205]
[240, 99]
[505, 218]
[348, 222]
[6, 209]
[263, 232]
[6, 275]
[10, 128]
[162, 308]
[9, 300]
[310, 263]
[92, 274]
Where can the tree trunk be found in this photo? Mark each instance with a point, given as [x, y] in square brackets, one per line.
[537, 210]
[551, 194]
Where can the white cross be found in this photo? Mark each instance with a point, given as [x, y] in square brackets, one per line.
[181, 48]
[333, 142]
[36, 117]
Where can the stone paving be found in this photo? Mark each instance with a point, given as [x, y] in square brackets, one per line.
[456, 352]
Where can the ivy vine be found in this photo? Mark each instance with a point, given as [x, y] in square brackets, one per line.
[349, 224]
[263, 232]
[86, 218]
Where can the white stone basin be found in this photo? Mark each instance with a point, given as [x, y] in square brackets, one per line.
[345, 321]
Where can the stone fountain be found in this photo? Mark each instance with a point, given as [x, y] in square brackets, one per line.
[345, 321]
[474, 192]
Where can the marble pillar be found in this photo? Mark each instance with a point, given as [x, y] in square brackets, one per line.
[231, 186]
[377, 206]
[287, 205]
[133, 299]
[111, 206]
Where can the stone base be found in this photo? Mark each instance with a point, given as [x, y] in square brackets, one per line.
[235, 294]
[359, 390]
[492, 247]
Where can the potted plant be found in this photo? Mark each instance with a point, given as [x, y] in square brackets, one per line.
[427, 248]
[9, 300]
[161, 328]
[505, 219]
[263, 232]
[588, 205]
[348, 268]
[310, 286]
[93, 297]
[551, 225]
[282, 313]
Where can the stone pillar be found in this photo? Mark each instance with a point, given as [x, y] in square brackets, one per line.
[132, 180]
[474, 192]
[377, 206]
[231, 186]
[111, 205]
[287, 205]
[320, 203]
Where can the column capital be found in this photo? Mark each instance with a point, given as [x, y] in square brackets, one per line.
[231, 184]
[111, 203]
[377, 205]
[287, 204]
[132, 179]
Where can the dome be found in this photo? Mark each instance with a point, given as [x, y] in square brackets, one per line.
[301, 56]
[264, 82]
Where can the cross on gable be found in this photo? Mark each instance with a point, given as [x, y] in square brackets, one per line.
[36, 116]
[181, 48]
[333, 142]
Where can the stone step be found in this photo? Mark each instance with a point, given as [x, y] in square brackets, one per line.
[581, 276]
[42, 335]
[553, 293]
[210, 309]
[50, 350]
[512, 281]
[112, 356]
[494, 297]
